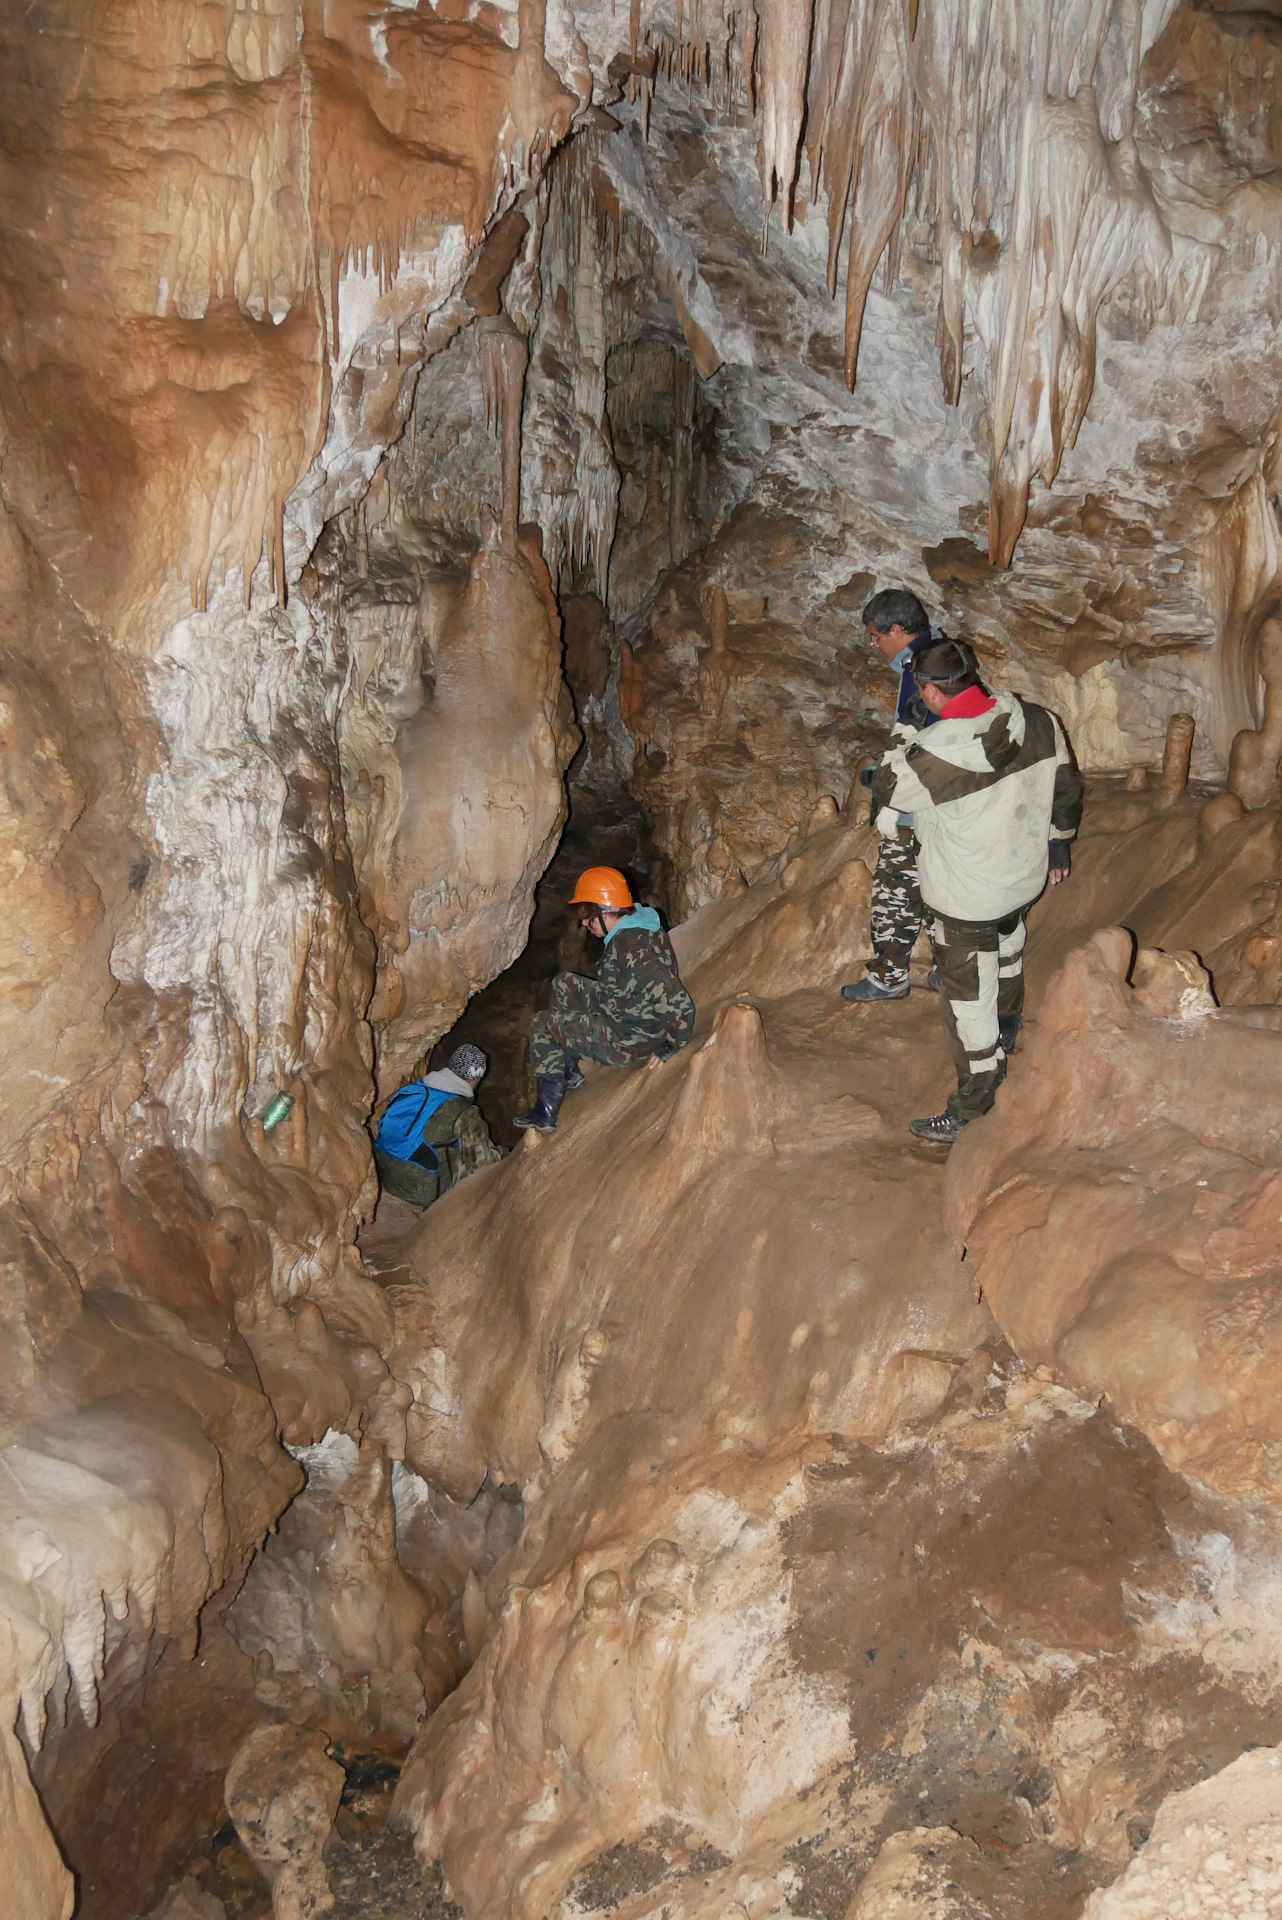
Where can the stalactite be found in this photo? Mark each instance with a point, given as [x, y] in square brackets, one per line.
[503, 356]
[748, 51]
[578, 522]
[785, 52]
[682, 459]
[1016, 116]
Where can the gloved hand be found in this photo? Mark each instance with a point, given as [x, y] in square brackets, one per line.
[1061, 861]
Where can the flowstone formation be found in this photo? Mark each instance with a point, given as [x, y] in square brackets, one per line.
[419, 423]
[844, 1576]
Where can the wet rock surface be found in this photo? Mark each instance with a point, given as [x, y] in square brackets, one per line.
[390, 398]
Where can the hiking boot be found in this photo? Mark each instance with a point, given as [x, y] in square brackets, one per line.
[547, 1104]
[940, 1129]
[871, 988]
[574, 1074]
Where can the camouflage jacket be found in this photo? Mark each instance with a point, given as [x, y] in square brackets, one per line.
[462, 1140]
[458, 1132]
[638, 989]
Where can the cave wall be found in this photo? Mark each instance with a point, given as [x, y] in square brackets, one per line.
[1144, 492]
[229, 232]
[284, 720]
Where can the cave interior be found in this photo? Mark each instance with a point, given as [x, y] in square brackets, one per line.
[447, 445]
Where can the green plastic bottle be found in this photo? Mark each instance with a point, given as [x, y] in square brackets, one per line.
[277, 1111]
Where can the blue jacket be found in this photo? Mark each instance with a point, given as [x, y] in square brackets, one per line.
[910, 709]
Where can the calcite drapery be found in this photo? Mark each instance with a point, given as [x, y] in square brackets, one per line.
[1012, 122]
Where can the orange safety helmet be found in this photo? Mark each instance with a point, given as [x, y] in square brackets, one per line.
[602, 887]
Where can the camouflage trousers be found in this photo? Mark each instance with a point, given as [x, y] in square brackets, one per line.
[981, 982]
[572, 1025]
[897, 911]
[407, 1180]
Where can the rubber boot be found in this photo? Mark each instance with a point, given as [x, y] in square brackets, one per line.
[547, 1104]
[574, 1074]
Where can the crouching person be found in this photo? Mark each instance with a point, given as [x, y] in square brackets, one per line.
[431, 1133]
[635, 1009]
[996, 799]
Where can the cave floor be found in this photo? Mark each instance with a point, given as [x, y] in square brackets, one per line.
[373, 1873]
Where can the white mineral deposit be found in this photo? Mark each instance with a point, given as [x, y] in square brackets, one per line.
[447, 445]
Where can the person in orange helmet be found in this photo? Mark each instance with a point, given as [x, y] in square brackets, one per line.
[635, 1009]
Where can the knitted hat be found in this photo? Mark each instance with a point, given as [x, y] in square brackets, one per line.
[468, 1062]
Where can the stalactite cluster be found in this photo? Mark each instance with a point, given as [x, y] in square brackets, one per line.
[1012, 124]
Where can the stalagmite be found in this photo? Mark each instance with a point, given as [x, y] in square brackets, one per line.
[283, 1792]
[1176, 756]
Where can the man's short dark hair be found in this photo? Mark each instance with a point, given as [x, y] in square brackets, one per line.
[947, 664]
[895, 607]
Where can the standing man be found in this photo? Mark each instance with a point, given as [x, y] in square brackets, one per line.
[996, 799]
[897, 627]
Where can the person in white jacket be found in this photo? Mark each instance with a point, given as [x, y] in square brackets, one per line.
[996, 798]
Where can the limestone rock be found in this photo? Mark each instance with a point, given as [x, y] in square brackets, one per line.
[282, 1793]
[916, 1876]
[455, 792]
[190, 1901]
[340, 1633]
[1119, 1210]
[1215, 1847]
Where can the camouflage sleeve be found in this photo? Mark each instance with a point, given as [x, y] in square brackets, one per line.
[644, 994]
[475, 1149]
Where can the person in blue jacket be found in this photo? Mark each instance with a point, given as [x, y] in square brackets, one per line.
[431, 1134]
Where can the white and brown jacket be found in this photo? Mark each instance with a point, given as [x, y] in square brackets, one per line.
[987, 795]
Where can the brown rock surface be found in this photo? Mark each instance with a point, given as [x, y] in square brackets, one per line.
[283, 1792]
[284, 734]
[993, 1602]
[220, 224]
[1120, 1210]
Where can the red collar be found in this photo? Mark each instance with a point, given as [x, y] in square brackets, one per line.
[968, 705]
